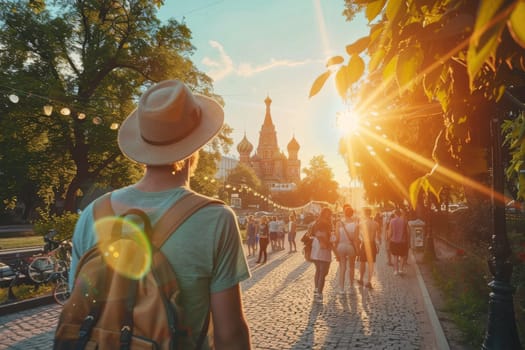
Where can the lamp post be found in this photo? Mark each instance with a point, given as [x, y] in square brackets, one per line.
[501, 328]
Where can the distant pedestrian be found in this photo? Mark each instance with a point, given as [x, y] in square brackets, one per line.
[387, 239]
[273, 226]
[321, 250]
[398, 241]
[370, 240]
[347, 238]
[264, 236]
[281, 232]
[292, 231]
[251, 235]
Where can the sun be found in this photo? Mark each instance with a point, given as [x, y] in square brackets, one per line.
[347, 122]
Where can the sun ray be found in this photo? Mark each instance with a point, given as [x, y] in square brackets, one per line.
[450, 174]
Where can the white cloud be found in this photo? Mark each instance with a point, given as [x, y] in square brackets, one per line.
[224, 66]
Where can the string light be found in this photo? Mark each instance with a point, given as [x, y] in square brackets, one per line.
[48, 110]
[13, 96]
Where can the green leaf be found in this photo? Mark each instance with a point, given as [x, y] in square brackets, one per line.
[356, 68]
[516, 24]
[334, 60]
[389, 72]
[374, 8]
[319, 83]
[341, 81]
[376, 59]
[407, 67]
[485, 39]
[392, 8]
[349, 74]
[414, 190]
[358, 46]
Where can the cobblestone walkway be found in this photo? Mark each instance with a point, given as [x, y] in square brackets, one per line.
[282, 314]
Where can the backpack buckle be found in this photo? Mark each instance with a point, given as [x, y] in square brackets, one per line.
[86, 326]
[125, 335]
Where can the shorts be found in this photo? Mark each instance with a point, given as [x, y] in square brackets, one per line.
[399, 248]
[273, 236]
[291, 236]
[362, 252]
[345, 249]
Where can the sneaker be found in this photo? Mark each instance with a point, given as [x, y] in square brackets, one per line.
[369, 285]
[316, 292]
[396, 273]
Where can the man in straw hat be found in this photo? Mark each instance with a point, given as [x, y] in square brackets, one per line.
[165, 134]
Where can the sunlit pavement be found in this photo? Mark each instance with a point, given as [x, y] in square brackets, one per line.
[282, 313]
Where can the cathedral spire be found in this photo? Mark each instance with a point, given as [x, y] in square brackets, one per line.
[268, 115]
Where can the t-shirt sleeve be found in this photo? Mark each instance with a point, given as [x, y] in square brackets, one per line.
[230, 265]
[82, 240]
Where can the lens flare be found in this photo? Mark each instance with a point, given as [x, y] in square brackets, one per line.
[130, 255]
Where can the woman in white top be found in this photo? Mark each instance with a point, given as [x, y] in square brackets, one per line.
[321, 252]
[347, 245]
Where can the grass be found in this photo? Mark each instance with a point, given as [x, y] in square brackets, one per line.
[21, 242]
[26, 291]
[463, 280]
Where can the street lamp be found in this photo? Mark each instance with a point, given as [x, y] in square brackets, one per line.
[501, 328]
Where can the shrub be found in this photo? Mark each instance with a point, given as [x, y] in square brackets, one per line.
[63, 224]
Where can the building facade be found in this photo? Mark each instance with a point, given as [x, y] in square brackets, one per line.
[276, 170]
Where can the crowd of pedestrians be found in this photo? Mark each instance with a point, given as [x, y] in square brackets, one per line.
[352, 238]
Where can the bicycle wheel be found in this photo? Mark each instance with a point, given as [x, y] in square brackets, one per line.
[40, 269]
[61, 291]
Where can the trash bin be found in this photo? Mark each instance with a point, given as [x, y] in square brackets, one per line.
[417, 233]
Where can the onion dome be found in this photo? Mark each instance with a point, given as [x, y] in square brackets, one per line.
[293, 145]
[245, 146]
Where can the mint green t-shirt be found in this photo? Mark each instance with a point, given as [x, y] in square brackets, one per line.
[206, 251]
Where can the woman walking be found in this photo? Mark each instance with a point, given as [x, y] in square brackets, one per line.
[292, 231]
[251, 235]
[321, 251]
[347, 246]
[264, 236]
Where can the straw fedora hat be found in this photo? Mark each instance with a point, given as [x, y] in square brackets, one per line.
[169, 124]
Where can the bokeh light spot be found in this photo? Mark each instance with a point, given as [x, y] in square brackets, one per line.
[130, 255]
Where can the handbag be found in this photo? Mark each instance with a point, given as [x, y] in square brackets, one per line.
[352, 241]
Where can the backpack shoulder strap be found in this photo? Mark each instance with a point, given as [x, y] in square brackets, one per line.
[169, 221]
[177, 214]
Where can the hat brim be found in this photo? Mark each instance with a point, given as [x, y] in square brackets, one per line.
[134, 147]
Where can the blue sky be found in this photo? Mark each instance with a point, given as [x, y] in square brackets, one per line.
[256, 48]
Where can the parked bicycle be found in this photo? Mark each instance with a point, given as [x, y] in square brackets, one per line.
[55, 260]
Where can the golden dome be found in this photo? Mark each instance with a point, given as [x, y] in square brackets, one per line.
[244, 146]
[293, 145]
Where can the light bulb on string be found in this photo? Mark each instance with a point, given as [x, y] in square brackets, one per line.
[48, 110]
[65, 111]
[114, 126]
[97, 120]
[14, 98]
[81, 116]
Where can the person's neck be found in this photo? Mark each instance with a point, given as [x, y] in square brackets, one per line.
[161, 178]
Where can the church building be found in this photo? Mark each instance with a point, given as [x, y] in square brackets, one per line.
[278, 172]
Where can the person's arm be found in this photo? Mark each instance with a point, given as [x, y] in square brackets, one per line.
[230, 327]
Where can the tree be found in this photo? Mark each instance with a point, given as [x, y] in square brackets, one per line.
[468, 56]
[463, 55]
[318, 183]
[94, 58]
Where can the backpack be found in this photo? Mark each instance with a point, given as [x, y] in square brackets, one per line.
[109, 310]
[307, 240]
